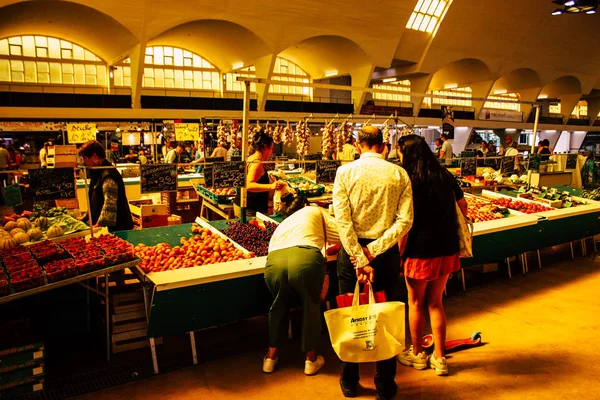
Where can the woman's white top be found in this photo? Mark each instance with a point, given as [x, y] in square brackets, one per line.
[305, 228]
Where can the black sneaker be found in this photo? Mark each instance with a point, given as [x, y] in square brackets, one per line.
[388, 394]
[347, 391]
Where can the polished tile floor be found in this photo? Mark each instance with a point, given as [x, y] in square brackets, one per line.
[540, 332]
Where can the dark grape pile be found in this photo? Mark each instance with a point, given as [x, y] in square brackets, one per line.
[250, 237]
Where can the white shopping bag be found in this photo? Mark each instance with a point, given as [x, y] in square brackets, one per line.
[367, 333]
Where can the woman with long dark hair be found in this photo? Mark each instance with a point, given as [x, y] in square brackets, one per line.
[431, 252]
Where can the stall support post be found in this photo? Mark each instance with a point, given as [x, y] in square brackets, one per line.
[535, 126]
[87, 200]
[245, 129]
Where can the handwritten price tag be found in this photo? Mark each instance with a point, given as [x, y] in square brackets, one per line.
[158, 178]
[81, 133]
[52, 183]
[187, 132]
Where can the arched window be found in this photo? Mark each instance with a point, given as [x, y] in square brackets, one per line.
[175, 68]
[231, 83]
[427, 15]
[402, 88]
[122, 73]
[464, 92]
[286, 71]
[490, 103]
[49, 60]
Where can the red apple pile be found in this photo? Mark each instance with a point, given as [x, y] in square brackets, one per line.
[521, 206]
[202, 249]
[223, 191]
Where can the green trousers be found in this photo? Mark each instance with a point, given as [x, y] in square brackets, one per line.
[296, 270]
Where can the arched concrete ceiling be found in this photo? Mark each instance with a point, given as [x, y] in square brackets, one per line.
[223, 43]
[562, 86]
[80, 24]
[510, 34]
[322, 55]
[462, 73]
[519, 79]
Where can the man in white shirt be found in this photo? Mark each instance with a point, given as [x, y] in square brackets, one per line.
[446, 151]
[219, 151]
[372, 200]
[172, 155]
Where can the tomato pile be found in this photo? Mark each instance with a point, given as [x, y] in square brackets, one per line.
[202, 249]
[521, 206]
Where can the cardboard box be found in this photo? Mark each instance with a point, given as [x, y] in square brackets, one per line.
[148, 215]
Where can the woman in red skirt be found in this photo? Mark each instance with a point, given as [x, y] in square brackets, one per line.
[431, 251]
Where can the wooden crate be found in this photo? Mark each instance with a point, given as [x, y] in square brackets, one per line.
[148, 215]
[127, 313]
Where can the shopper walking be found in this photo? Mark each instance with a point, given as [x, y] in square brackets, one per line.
[44, 155]
[372, 199]
[427, 267]
[108, 202]
[296, 267]
[235, 150]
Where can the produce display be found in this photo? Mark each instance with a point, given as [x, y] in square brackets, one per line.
[27, 267]
[482, 210]
[592, 195]
[222, 191]
[203, 248]
[251, 237]
[302, 139]
[328, 144]
[521, 206]
[557, 200]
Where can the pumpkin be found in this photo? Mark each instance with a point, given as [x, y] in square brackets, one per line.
[15, 231]
[24, 224]
[42, 223]
[7, 242]
[55, 231]
[10, 226]
[21, 237]
[4, 233]
[35, 233]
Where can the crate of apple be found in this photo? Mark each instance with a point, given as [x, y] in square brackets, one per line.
[202, 249]
[482, 210]
[251, 237]
[60, 269]
[116, 250]
[521, 206]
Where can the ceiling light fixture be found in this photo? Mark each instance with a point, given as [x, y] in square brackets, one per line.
[237, 65]
[576, 6]
[501, 91]
[388, 80]
[331, 73]
[451, 86]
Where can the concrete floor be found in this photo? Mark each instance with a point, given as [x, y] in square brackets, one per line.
[534, 327]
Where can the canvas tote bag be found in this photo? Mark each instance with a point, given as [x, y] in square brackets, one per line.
[367, 333]
[465, 233]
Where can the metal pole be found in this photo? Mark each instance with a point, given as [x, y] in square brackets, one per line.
[87, 200]
[245, 129]
[535, 126]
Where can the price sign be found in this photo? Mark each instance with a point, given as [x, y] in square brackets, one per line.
[81, 133]
[492, 163]
[571, 161]
[12, 196]
[52, 183]
[468, 166]
[534, 162]
[158, 178]
[326, 171]
[508, 165]
[229, 174]
[187, 132]
[208, 175]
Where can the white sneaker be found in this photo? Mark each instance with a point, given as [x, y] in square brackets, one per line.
[269, 365]
[439, 365]
[408, 358]
[312, 367]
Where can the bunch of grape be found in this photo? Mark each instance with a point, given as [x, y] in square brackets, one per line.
[250, 237]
